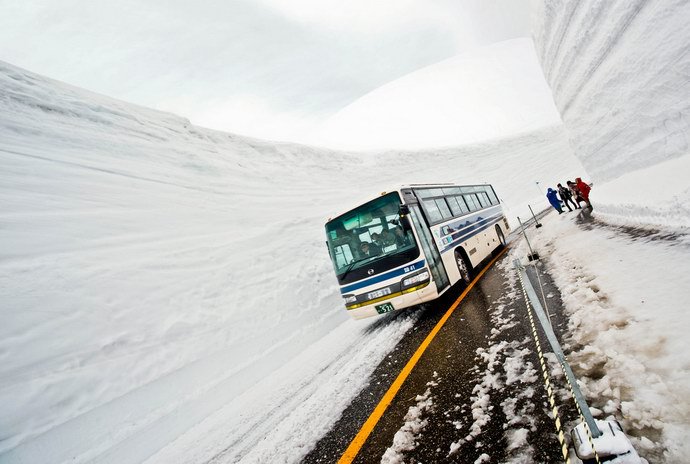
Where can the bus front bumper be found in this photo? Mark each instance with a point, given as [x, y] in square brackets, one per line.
[400, 300]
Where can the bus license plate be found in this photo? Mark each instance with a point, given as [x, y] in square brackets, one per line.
[384, 308]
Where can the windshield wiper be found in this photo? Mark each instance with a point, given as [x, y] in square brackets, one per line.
[349, 268]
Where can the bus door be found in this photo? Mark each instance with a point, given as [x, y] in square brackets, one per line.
[438, 271]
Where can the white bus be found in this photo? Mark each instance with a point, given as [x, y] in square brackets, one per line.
[411, 244]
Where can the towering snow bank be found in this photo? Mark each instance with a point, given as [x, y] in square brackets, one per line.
[155, 277]
[619, 71]
[144, 262]
[483, 94]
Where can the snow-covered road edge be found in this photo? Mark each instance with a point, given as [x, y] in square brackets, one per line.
[626, 298]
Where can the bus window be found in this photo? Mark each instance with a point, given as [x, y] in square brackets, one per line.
[480, 200]
[428, 193]
[443, 208]
[343, 255]
[492, 195]
[484, 198]
[471, 202]
[457, 205]
[432, 210]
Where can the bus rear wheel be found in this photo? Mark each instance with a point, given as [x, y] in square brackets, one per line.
[501, 237]
[464, 266]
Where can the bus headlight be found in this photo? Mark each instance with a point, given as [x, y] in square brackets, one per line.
[350, 299]
[415, 279]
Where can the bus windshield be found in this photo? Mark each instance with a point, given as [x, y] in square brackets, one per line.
[370, 233]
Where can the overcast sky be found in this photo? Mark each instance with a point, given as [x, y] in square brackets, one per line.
[268, 68]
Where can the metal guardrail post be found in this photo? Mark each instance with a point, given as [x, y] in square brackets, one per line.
[532, 255]
[536, 221]
[556, 347]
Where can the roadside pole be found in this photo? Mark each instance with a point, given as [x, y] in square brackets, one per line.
[538, 224]
[532, 255]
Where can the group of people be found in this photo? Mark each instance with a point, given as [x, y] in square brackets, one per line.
[383, 240]
[575, 193]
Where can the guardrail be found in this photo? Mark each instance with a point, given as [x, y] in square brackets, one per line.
[593, 440]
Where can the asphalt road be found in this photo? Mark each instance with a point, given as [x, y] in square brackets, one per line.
[477, 391]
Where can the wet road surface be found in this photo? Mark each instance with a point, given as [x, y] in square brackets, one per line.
[476, 392]
[587, 221]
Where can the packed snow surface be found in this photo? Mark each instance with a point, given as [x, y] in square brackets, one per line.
[625, 290]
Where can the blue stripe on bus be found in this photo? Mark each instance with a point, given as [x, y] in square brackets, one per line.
[470, 226]
[471, 221]
[491, 212]
[474, 230]
[379, 278]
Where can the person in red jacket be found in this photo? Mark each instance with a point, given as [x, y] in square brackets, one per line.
[584, 190]
[576, 193]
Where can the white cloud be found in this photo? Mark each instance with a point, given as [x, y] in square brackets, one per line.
[362, 16]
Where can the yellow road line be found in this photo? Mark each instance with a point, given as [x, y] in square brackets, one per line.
[351, 452]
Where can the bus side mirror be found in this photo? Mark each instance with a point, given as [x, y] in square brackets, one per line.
[403, 212]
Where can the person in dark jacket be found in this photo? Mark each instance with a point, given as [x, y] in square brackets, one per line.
[553, 199]
[584, 190]
[566, 196]
[369, 249]
[401, 238]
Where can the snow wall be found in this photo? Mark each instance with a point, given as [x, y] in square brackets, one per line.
[618, 71]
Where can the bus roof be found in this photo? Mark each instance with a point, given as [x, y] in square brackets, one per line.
[399, 187]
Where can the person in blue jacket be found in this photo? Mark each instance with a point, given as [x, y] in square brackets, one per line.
[553, 199]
